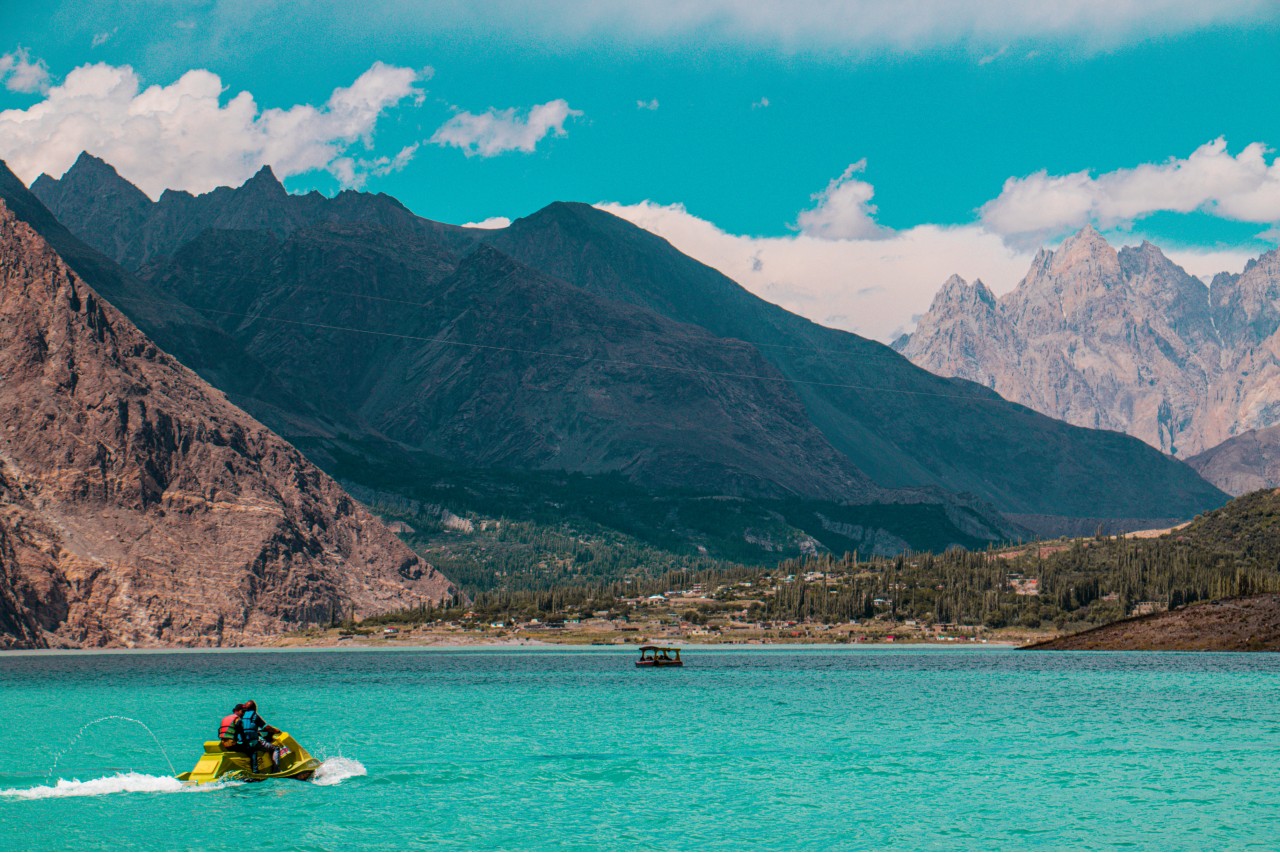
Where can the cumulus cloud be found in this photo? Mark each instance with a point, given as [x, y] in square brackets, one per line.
[844, 210]
[1244, 187]
[497, 131]
[490, 223]
[870, 286]
[21, 74]
[355, 173]
[847, 272]
[182, 135]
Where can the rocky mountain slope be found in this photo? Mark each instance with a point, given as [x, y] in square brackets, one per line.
[903, 426]
[1120, 340]
[255, 268]
[139, 507]
[1239, 624]
[575, 341]
[1242, 463]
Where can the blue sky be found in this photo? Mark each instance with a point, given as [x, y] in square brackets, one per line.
[757, 110]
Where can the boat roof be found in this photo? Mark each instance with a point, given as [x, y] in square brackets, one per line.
[660, 648]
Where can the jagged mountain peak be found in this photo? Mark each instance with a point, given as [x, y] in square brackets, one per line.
[1148, 252]
[93, 174]
[91, 177]
[1144, 257]
[1086, 252]
[125, 225]
[959, 294]
[1124, 340]
[264, 181]
[1267, 260]
[87, 162]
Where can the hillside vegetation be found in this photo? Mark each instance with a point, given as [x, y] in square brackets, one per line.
[1062, 585]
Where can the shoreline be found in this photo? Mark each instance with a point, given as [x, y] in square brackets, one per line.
[542, 646]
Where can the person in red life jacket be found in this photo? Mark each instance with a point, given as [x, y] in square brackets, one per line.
[228, 728]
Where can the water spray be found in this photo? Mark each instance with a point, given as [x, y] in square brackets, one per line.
[92, 723]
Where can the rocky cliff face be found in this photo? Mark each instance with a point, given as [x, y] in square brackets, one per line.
[1120, 340]
[139, 507]
[1243, 463]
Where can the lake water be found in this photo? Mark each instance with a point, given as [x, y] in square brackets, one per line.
[815, 748]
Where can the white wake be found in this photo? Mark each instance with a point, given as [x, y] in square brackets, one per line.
[121, 783]
[332, 772]
[335, 770]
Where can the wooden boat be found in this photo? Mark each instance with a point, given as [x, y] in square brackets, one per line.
[659, 656]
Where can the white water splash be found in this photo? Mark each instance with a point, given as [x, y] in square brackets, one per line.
[121, 783]
[335, 770]
[66, 749]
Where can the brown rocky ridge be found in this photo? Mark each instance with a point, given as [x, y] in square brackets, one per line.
[139, 507]
[1249, 623]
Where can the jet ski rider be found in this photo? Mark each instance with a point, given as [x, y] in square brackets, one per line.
[244, 731]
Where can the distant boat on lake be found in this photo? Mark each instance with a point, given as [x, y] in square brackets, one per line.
[659, 656]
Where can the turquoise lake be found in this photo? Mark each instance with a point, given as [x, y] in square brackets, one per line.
[791, 748]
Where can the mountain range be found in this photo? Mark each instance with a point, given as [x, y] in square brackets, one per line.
[1127, 340]
[139, 507]
[574, 341]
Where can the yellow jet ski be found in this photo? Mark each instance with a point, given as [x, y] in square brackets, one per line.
[217, 763]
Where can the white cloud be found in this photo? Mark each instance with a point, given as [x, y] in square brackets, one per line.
[1041, 206]
[99, 39]
[20, 74]
[491, 222]
[1200, 262]
[846, 26]
[182, 135]
[761, 104]
[355, 173]
[875, 287]
[498, 131]
[870, 286]
[647, 105]
[917, 24]
[844, 210]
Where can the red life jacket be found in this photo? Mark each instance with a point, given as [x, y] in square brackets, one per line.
[227, 728]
